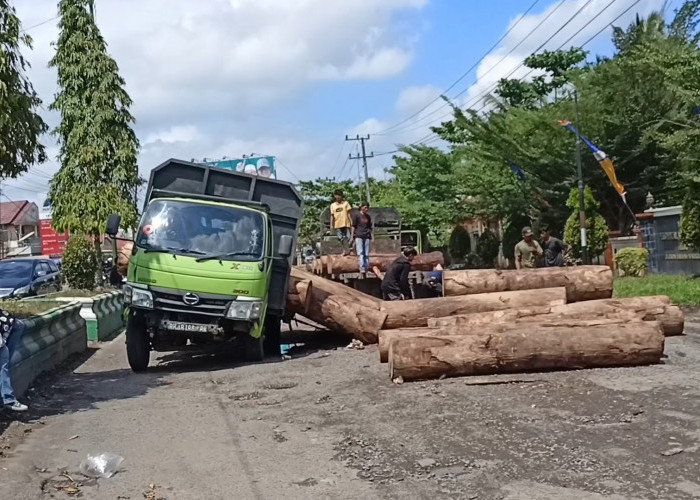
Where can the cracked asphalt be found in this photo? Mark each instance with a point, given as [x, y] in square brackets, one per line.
[329, 423]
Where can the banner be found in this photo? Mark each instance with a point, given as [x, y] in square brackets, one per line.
[264, 166]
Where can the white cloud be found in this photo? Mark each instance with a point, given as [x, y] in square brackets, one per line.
[200, 77]
[526, 36]
[177, 133]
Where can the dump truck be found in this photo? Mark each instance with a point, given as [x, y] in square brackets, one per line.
[210, 261]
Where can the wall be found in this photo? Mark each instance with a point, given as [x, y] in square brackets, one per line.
[667, 254]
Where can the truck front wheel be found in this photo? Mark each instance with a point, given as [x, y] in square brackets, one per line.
[138, 344]
[254, 349]
[273, 335]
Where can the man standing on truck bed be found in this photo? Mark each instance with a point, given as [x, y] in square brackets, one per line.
[362, 235]
[340, 219]
[395, 285]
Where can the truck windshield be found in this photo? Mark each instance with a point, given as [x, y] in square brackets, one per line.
[203, 230]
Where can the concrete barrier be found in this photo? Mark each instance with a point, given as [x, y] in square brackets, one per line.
[48, 340]
[102, 314]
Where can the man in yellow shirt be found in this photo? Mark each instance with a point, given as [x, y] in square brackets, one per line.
[340, 220]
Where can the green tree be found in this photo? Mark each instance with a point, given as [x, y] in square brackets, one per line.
[596, 229]
[20, 126]
[98, 148]
[424, 191]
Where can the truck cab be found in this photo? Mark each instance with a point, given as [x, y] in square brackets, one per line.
[210, 261]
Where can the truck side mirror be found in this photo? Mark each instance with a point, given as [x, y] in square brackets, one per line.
[113, 222]
[285, 246]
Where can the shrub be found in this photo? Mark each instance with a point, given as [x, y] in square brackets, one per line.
[487, 248]
[632, 261]
[460, 244]
[80, 263]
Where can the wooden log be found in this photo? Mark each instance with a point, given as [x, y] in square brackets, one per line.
[123, 257]
[298, 296]
[581, 282]
[415, 313]
[386, 337]
[656, 308]
[532, 348]
[342, 309]
[339, 264]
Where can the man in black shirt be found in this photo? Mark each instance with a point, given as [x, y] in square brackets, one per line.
[395, 285]
[554, 249]
[361, 232]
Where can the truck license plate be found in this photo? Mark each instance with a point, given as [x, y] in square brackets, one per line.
[186, 327]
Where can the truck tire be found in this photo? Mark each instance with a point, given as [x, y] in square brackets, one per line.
[273, 335]
[138, 345]
[254, 349]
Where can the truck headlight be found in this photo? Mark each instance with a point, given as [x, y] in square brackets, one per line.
[140, 298]
[21, 292]
[244, 310]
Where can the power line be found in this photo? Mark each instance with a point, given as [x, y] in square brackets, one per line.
[589, 40]
[337, 158]
[494, 66]
[464, 75]
[495, 85]
[287, 169]
[364, 159]
[40, 24]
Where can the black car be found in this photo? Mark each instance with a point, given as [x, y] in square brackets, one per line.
[28, 277]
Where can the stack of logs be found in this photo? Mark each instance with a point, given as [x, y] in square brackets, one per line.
[334, 265]
[493, 321]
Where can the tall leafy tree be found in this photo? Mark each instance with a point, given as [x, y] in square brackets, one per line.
[20, 124]
[98, 147]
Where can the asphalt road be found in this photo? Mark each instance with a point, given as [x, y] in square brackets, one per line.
[328, 423]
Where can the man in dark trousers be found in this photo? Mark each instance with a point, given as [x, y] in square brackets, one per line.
[361, 233]
[395, 285]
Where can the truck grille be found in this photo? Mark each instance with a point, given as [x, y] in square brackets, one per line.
[208, 305]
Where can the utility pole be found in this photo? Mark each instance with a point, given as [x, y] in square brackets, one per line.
[581, 197]
[363, 157]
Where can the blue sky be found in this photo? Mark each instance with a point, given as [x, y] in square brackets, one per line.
[292, 78]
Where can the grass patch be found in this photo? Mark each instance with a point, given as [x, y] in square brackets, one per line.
[681, 289]
[28, 308]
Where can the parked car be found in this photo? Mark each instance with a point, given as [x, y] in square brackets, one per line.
[28, 277]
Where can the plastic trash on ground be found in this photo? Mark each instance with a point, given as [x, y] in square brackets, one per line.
[102, 465]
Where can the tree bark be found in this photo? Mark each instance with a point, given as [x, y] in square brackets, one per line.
[643, 308]
[415, 313]
[123, 257]
[581, 282]
[386, 337]
[339, 264]
[530, 348]
[341, 308]
[298, 296]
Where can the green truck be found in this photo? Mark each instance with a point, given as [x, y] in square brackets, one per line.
[210, 261]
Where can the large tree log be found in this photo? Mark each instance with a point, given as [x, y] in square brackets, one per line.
[339, 264]
[581, 282]
[531, 349]
[386, 337]
[298, 297]
[414, 313]
[123, 257]
[341, 308]
[645, 308]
